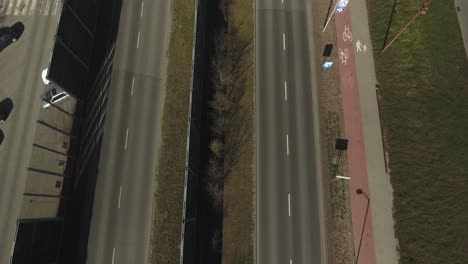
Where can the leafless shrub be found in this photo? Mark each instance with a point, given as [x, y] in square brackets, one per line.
[224, 6]
[216, 193]
[216, 242]
[227, 117]
[216, 173]
[216, 148]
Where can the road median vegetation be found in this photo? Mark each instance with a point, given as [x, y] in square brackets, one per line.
[169, 193]
[232, 107]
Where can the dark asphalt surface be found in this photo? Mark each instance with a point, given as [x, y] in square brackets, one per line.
[288, 222]
[121, 221]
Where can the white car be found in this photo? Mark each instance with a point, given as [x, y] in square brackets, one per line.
[44, 76]
[54, 96]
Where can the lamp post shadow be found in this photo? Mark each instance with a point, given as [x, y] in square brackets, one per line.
[359, 191]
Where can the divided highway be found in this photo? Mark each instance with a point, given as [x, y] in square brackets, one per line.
[121, 220]
[288, 195]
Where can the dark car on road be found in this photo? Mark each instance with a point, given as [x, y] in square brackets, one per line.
[10, 34]
[6, 106]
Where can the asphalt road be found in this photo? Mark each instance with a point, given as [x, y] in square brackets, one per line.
[21, 64]
[288, 200]
[121, 221]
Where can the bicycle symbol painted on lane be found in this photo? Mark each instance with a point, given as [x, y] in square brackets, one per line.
[343, 56]
[347, 34]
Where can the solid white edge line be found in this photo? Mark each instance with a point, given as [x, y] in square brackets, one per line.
[126, 139]
[133, 83]
[142, 6]
[54, 12]
[138, 40]
[113, 255]
[287, 144]
[289, 204]
[285, 91]
[10, 7]
[120, 196]
[284, 41]
[46, 8]
[32, 7]
[290, 261]
[12, 250]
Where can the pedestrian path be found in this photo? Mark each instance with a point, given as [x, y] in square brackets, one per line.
[379, 179]
[357, 167]
[30, 7]
[372, 214]
[462, 12]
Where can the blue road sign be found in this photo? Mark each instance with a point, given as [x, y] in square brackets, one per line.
[341, 6]
[327, 64]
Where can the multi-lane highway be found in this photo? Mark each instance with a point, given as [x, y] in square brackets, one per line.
[121, 220]
[289, 226]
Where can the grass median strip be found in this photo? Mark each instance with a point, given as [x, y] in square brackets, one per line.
[167, 214]
[423, 78]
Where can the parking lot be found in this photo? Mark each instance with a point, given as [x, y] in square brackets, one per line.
[34, 141]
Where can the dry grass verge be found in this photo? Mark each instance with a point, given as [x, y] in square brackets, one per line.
[167, 212]
[340, 243]
[423, 78]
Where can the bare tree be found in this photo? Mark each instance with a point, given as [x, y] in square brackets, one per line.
[216, 241]
[224, 6]
[216, 172]
[216, 193]
[226, 113]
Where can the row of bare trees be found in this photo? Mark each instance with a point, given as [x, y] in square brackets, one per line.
[226, 115]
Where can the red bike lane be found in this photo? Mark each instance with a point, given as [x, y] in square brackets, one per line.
[357, 168]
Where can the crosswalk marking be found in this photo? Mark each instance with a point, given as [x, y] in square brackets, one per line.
[54, 12]
[2, 6]
[30, 7]
[33, 7]
[25, 8]
[10, 7]
[47, 7]
[40, 7]
[19, 7]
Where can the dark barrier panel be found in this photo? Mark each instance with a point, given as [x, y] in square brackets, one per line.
[197, 98]
[73, 47]
[102, 18]
[37, 241]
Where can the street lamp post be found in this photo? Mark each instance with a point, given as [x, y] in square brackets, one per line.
[359, 191]
[330, 17]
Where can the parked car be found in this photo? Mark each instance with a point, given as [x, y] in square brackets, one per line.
[9, 35]
[6, 106]
[54, 96]
[44, 76]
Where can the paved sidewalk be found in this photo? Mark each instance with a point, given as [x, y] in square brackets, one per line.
[380, 188]
[374, 236]
[462, 13]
